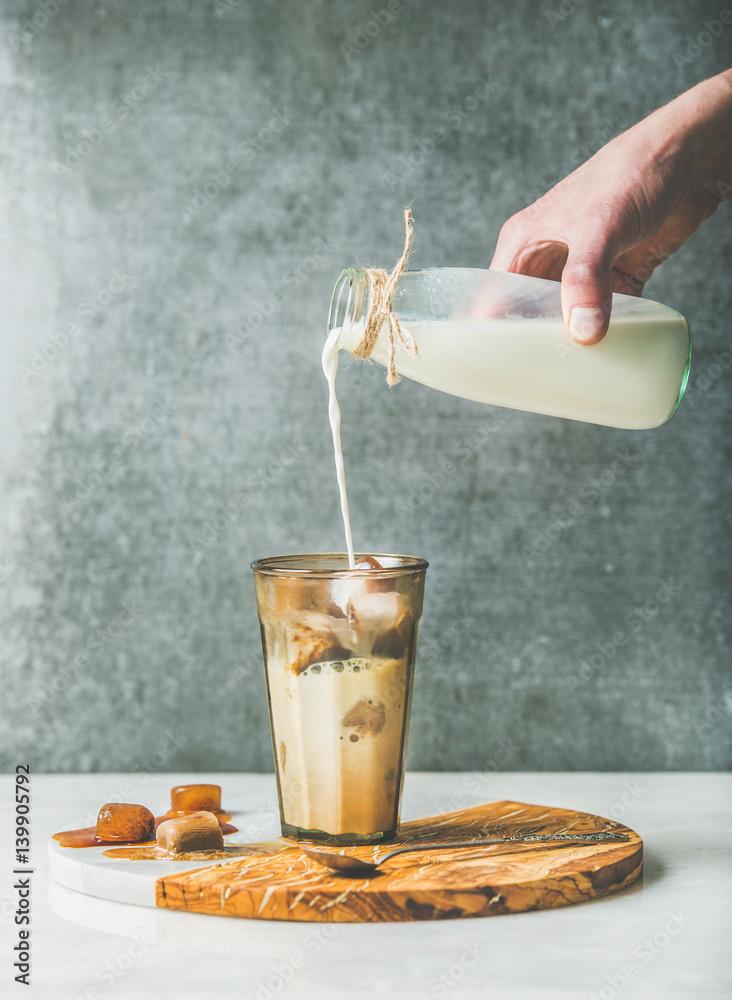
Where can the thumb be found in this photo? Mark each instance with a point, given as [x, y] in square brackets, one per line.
[587, 295]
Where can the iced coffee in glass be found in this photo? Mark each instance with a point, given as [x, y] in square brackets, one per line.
[339, 648]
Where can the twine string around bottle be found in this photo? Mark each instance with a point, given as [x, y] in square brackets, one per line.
[381, 289]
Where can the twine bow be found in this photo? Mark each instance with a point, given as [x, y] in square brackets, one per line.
[382, 286]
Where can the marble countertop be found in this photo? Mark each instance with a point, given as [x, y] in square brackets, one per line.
[668, 937]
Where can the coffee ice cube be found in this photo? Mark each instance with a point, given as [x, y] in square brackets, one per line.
[196, 831]
[390, 645]
[393, 643]
[194, 798]
[368, 562]
[311, 646]
[125, 821]
[369, 603]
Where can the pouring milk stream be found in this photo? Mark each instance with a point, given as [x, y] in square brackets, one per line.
[330, 367]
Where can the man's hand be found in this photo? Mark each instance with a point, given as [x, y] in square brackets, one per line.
[611, 222]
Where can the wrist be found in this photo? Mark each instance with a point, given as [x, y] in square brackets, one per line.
[704, 121]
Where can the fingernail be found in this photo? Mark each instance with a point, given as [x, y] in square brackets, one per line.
[585, 322]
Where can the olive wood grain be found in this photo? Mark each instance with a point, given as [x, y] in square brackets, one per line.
[467, 882]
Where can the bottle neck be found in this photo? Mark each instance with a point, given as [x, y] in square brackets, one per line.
[349, 307]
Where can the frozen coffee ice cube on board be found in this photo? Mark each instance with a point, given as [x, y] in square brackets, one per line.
[197, 831]
[125, 821]
[194, 798]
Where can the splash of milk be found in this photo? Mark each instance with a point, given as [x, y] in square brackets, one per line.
[330, 367]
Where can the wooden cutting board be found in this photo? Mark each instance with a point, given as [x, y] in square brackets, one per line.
[472, 882]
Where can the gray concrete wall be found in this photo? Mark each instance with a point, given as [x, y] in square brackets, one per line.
[170, 167]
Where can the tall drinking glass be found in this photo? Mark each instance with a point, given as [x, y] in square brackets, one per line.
[339, 648]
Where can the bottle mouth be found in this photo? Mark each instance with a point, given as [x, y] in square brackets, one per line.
[348, 302]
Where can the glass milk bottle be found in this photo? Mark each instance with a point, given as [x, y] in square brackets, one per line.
[500, 338]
